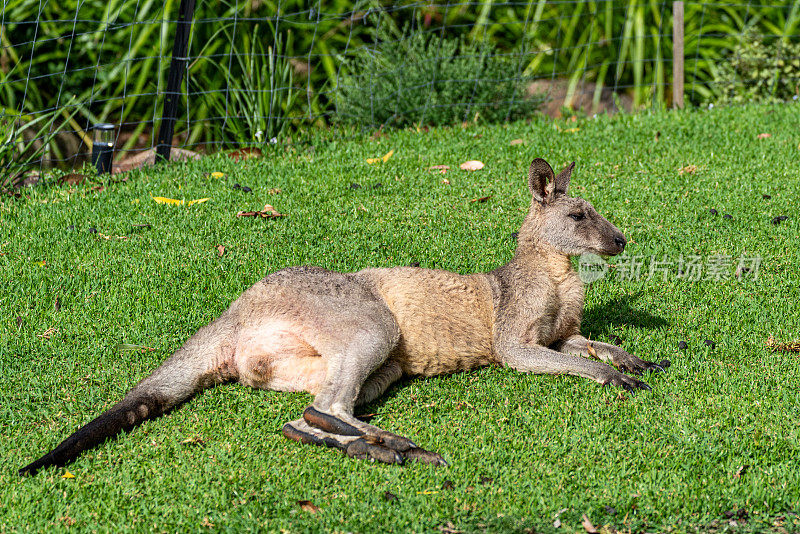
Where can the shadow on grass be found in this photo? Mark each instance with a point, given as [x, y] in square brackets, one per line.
[602, 320]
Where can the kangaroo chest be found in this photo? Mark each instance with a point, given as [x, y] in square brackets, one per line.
[539, 308]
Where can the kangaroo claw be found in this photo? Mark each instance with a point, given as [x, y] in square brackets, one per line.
[362, 449]
[421, 455]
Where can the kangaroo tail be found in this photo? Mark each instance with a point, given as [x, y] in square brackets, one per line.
[205, 360]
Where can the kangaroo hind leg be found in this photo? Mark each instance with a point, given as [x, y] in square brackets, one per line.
[357, 371]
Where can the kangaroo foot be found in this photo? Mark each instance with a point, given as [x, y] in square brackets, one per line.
[350, 426]
[371, 442]
[624, 381]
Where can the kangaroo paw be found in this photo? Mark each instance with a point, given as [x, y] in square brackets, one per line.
[368, 449]
[632, 364]
[421, 455]
[626, 382]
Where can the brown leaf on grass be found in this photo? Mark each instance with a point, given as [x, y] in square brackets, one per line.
[194, 441]
[441, 168]
[790, 346]
[274, 190]
[472, 165]
[764, 135]
[268, 212]
[588, 526]
[741, 471]
[481, 199]
[592, 352]
[125, 347]
[308, 506]
[243, 154]
[449, 528]
[516, 142]
[47, 333]
[72, 178]
[207, 523]
[220, 250]
[689, 169]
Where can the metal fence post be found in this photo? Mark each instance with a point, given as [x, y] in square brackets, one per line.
[677, 54]
[177, 66]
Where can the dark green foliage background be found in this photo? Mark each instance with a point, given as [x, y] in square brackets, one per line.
[424, 79]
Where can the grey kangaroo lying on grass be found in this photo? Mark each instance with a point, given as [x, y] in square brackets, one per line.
[346, 337]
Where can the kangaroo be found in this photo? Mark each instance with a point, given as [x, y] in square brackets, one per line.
[345, 337]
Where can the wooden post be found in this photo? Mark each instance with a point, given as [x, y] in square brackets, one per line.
[677, 54]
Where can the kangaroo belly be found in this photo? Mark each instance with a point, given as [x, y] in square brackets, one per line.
[276, 356]
[445, 319]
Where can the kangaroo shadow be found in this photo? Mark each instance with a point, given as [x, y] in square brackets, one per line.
[602, 319]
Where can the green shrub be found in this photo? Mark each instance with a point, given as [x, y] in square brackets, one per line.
[759, 72]
[258, 98]
[425, 79]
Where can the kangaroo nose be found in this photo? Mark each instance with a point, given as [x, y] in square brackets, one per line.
[620, 241]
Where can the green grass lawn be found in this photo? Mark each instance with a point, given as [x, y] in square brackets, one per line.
[718, 433]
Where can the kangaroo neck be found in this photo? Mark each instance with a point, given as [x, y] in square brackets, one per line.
[541, 257]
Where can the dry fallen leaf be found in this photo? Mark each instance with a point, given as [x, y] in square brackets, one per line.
[588, 526]
[592, 352]
[481, 199]
[72, 178]
[441, 168]
[274, 190]
[176, 202]
[791, 346]
[243, 154]
[194, 441]
[449, 528]
[472, 165]
[217, 174]
[165, 200]
[220, 250]
[67, 474]
[308, 506]
[742, 470]
[268, 212]
[689, 169]
[516, 142]
[107, 237]
[47, 333]
[384, 158]
[764, 135]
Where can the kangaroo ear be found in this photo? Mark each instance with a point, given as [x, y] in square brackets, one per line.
[562, 180]
[540, 174]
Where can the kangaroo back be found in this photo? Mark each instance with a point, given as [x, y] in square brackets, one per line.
[203, 361]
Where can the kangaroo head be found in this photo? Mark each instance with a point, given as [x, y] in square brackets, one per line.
[569, 225]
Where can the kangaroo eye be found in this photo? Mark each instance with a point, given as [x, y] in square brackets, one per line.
[577, 216]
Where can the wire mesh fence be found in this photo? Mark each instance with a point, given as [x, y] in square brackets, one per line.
[254, 72]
